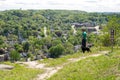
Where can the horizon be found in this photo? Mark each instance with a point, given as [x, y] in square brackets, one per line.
[80, 5]
[56, 9]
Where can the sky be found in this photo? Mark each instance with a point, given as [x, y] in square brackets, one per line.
[84, 5]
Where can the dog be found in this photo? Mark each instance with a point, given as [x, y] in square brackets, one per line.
[87, 48]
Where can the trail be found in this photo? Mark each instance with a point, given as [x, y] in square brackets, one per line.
[73, 27]
[45, 31]
[49, 71]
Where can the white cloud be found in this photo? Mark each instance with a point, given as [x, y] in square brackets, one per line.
[86, 5]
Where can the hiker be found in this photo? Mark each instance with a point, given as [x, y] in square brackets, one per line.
[84, 37]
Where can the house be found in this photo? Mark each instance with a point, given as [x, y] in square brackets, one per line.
[95, 30]
[90, 27]
[86, 24]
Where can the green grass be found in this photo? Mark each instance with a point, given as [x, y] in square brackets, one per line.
[59, 61]
[105, 67]
[19, 73]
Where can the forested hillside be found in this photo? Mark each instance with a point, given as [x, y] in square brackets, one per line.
[44, 32]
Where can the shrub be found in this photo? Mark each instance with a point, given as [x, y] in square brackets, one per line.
[14, 55]
[18, 47]
[30, 55]
[56, 51]
[56, 42]
[105, 39]
[68, 48]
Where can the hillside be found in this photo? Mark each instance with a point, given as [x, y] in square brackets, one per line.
[46, 44]
[38, 34]
[37, 31]
[96, 65]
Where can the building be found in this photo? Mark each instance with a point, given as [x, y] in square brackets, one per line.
[90, 27]
[95, 30]
[86, 24]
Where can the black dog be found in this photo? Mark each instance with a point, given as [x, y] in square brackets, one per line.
[85, 49]
[89, 45]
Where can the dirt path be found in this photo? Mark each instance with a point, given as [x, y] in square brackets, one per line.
[49, 71]
[5, 67]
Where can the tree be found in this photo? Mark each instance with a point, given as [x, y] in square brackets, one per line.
[18, 47]
[26, 46]
[113, 23]
[58, 33]
[74, 40]
[2, 42]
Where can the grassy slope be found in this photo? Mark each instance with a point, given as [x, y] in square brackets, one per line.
[106, 67]
[22, 73]
[61, 60]
[19, 73]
